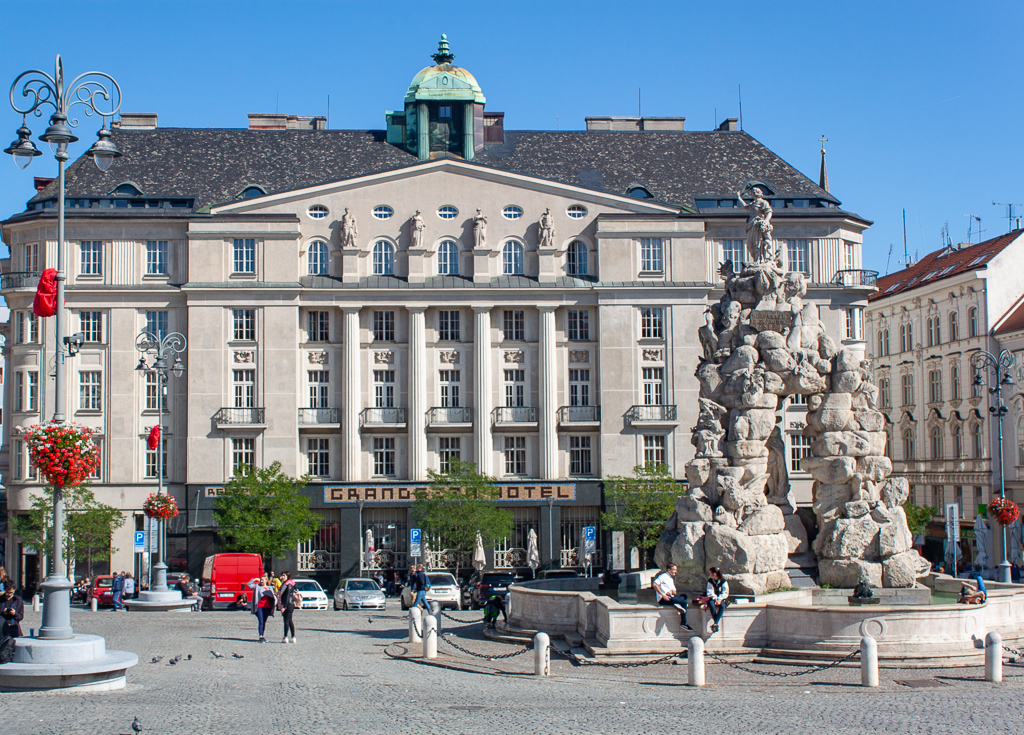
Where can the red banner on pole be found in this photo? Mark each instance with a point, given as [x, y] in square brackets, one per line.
[153, 440]
[45, 302]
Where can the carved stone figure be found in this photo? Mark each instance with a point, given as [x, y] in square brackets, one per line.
[547, 230]
[417, 227]
[759, 227]
[348, 230]
[479, 230]
[706, 335]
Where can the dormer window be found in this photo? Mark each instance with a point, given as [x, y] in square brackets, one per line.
[639, 192]
[127, 189]
[251, 192]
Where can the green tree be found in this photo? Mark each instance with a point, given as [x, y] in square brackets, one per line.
[88, 526]
[459, 503]
[263, 511]
[640, 505]
[918, 517]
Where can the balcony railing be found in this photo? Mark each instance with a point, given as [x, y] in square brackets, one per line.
[21, 279]
[450, 415]
[389, 416]
[642, 414]
[856, 279]
[579, 414]
[316, 416]
[515, 415]
[240, 416]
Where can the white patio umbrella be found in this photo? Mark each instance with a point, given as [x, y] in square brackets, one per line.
[1015, 541]
[368, 551]
[983, 540]
[532, 551]
[479, 558]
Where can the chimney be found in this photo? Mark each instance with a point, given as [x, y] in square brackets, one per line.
[41, 182]
[494, 127]
[636, 124]
[136, 121]
[280, 121]
[729, 124]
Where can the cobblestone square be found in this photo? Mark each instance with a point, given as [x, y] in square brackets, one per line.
[342, 676]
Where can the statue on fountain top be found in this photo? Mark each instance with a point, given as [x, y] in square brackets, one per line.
[759, 227]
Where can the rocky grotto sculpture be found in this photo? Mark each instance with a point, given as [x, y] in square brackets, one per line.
[761, 344]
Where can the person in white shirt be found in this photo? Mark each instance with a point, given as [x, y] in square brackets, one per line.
[717, 592]
[665, 591]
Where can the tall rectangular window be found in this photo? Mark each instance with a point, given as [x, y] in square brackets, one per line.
[579, 387]
[579, 325]
[854, 322]
[92, 258]
[514, 325]
[884, 399]
[244, 325]
[907, 382]
[954, 377]
[653, 384]
[17, 459]
[515, 387]
[384, 456]
[448, 326]
[934, 386]
[31, 255]
[32, 404]
[652, 323]
[243, 453]
[156, 257]
[318, 326]
[449, 448]
[448, 381]
[384, 388]
[906, 337]
[156, 323]
[849, 256]
[938, 498]
[515, 455]
[19, 391]
[732, 251]
[798, 253]
[799, 447]
[384, 326]
[654, 449]
[153, 398]
[90, 324]
[318, 457]
[579, 455]
[90, 391]
[27, 328]
[152, 460]
[319, 388]
[652, 258]
[244, 255]
[244, 387]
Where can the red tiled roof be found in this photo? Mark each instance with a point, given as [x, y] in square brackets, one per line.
[943, 264]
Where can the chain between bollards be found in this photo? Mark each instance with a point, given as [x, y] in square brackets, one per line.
[430, 637]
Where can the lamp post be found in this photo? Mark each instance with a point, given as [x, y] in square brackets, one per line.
[97, 93]
[167, 351]
[1000, 369]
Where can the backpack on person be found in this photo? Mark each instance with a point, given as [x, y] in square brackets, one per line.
[290, 596]
[6, 650]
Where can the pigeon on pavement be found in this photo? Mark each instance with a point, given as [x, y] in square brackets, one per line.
[190, 657]
[172, 662]
[177, 658]
[136, 725]
[217, 655]
[237, 655]
[157, 659]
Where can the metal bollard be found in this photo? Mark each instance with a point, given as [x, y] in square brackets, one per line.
[430, 637]
[994, 657]
[35, 602]
[435, 610]
[94, 604]
[868, 662]
[695, 661]
[415, 624]
[541, 655]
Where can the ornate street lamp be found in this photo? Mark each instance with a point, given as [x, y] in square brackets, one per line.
[1001, 369]
[166, 349]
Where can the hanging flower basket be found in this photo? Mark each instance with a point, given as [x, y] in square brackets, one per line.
[64, 453]
[160, 506]
[1004, 511]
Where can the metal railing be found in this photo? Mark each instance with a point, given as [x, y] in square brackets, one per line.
[447, 559]
[240, 416]
[319, 561]
[450, 415]
[512, 558]
[660, 412]
[384, 557]
[313, 416]
[514, 415]
[579, 414]
[856, 279]
[18, 279]
[383, 416]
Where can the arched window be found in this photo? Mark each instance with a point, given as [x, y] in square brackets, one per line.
[448, 258]
[512, 258]
[251, 192]
[317, 258]
[127, 189]
[954, 377]
[954, 326]
[972, 322]
[958, 442]
[908, 389]
[576, 259]
[977, 450]
[383, 258]
[934, 386]
[883, 393]
[908, 444]
[936, 442]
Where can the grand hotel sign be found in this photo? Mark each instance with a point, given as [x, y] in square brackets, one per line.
[407, 493]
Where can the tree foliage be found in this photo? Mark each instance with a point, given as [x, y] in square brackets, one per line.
[640, 505]
[918, 517]
[88, 525]
[459, 503]
[262, 511]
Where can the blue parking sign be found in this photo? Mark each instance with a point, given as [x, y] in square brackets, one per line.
[140, 541]
[589, 540]
[415, 549]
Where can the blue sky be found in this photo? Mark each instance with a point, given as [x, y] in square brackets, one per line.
[921, 102]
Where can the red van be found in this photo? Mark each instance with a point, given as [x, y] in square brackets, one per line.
[225, 577]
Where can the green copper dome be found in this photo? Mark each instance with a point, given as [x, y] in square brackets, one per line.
[444, 82]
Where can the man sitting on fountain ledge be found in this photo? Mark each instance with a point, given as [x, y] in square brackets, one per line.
[665, 589]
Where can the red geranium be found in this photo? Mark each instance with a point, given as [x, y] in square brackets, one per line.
[162, 506]
[1003, 510]
[64, 453]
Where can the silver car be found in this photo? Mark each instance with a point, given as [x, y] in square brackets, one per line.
[443, 588]
[358, 594]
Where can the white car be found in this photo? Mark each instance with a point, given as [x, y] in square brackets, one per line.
[313, 595]
[443, 589]
[360, 594]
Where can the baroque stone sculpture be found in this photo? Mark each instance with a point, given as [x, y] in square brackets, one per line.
[348, 230]
[546, 227]
[479, 230]
[761, 344]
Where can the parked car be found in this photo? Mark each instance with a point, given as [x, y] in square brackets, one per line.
[484, 585]
[225, 577]
[102, 588]
[559, 574]
[358, 593]
[443, 589]
[313, 595]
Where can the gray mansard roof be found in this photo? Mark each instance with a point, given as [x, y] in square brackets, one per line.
[214, 165]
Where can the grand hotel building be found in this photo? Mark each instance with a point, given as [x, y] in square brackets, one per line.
[554, 348]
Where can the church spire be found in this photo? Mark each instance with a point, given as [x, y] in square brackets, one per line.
[823, 176]
[444, 54]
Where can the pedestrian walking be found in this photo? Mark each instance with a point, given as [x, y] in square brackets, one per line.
[12, 610]
[4, 581]
[128, 588]
[717, 592]
[117, 588]
[665, 590]
[263, 603]
[290, 599]
[420, 585]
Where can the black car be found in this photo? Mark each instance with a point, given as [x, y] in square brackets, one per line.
[484, 585]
